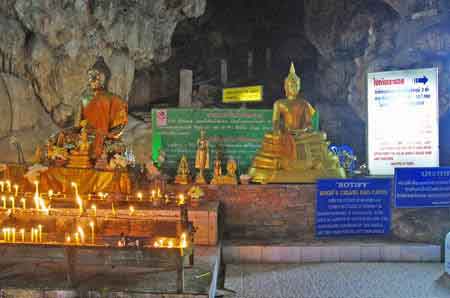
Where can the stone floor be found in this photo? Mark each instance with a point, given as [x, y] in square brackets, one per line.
[338, 280]
[106, 279]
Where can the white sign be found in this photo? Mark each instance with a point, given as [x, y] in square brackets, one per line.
[403, 120]
[447, 254]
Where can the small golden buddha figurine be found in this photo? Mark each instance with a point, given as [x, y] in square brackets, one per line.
[217, 169]
[202, 158]
[79, 157]
[294, 152]
[183, 174]
[231, 177]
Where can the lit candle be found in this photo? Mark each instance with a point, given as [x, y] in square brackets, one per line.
[36, 195]
[81, 233]
[100, 194]
[161, 242]
[77, 238]
[153, 193]
[36, 235]
[4, 235]
[80, 204]
[4, 202]
[68, 239]
[13, 203]
[22, 234]
[8, 184]
[40, 233]
[181, 199]
[13, 231]
[8, 234]
[139, 195]
[2, 186]
[183, 242]
[16, 189]
[24, 203]
[94, 208]
[170, 245]
[131, 210]
[74, 185]
[92, 225]
[50, 194]
[156, 244]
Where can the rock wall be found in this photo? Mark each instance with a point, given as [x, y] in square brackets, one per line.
[46, 47]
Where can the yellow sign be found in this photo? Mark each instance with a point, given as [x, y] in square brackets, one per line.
[242, 94]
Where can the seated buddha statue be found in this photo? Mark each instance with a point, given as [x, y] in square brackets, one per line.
[294, 152]
[106, 114]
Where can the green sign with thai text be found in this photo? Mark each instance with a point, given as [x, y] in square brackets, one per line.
[237, 133]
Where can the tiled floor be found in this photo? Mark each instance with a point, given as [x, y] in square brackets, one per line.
[338, 280]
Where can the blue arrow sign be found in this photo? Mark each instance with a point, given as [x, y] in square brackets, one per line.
[423, 80]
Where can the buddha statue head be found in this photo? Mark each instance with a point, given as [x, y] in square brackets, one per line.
[98, 75]
[292, 83]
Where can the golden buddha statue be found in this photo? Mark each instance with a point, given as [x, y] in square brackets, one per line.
[202, 158]
[106, 114]
[79, 157]
[294, 152]
[183, 174]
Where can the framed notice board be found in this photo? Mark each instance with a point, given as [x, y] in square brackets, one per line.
[237, 132]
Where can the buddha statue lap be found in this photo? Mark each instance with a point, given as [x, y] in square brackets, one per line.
[294, 152]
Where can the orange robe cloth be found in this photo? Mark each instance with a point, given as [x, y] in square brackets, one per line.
[103, 113]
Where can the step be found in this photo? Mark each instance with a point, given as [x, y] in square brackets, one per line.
[317, 252]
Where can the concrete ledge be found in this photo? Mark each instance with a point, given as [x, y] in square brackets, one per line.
[93, 294]
[304, 253]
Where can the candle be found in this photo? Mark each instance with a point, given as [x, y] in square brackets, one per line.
[170, 245]
[22, 234]
[4, 202]
[36, 235]
[100, 194]
[80, 204]
[32, 234]
[181, 199]
[113, 209]
[24, 203]
[156, 244]
[2, 185]
[183, 242]
[8, 183]
[74, 185]
[8, 234]
[81, 233]
[16, 189]
[68, 239]
[50, 194]
[36, 195]
[13, 203]
[131, 210]
[4, 235]
[139, 195]
[40, 233]
[92, 225]
[77, 238]
[13, 231]
[153, 193]
[94, 208]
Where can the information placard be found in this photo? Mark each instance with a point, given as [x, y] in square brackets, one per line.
[242, 94]
[238, 133]
[403, 120]
[422, 187]
[353, 207]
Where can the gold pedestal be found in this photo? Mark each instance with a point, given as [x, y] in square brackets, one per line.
[295, 159]
[77, 160]
[200, 178]
[182, 179]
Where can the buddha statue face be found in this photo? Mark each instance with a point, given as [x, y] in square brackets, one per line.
[96, 79]
[292, 84]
